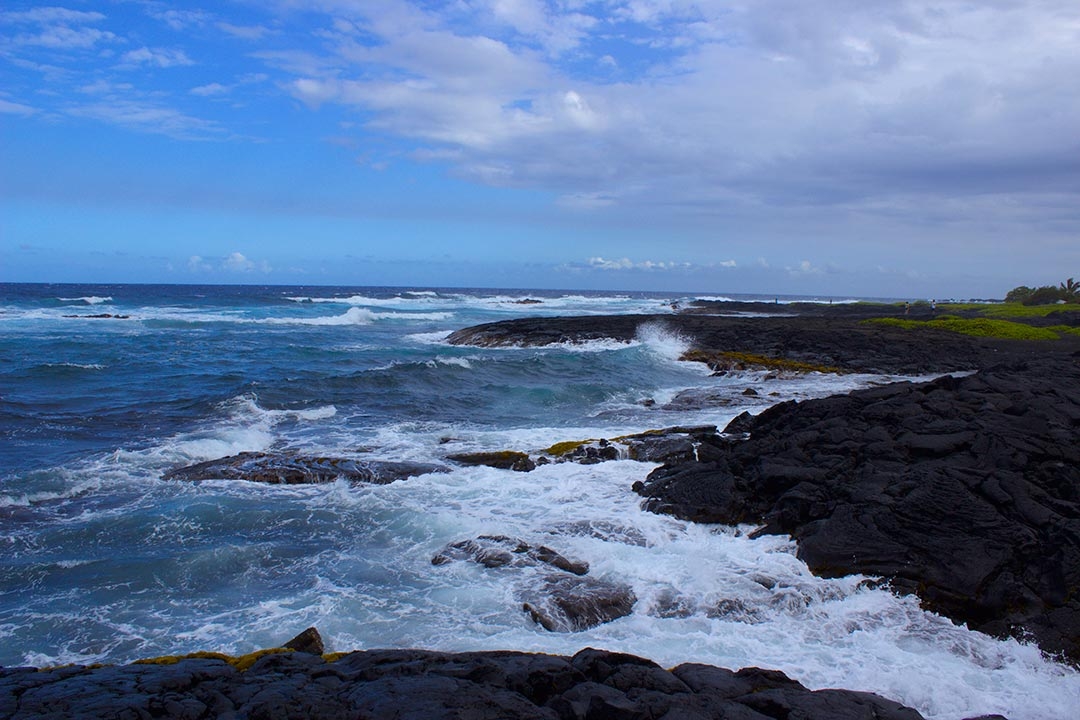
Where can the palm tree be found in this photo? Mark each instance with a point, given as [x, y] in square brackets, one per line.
[1070, 291]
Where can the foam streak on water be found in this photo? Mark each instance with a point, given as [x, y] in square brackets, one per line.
[103, 561]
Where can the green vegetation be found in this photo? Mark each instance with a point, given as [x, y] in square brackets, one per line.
[977, 327]
[240, 662]
[563, 448]
[1066, 329]
[728, 360]
[1066, 292]
[1002, 310]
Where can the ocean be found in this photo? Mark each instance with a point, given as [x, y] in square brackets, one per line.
[103, 560]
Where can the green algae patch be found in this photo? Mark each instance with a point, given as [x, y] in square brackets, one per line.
[730, 360]
[976, 327]
[240, 662]
[335, 656]
[563, 448]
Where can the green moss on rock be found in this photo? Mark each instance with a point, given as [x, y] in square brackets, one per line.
[730, 360]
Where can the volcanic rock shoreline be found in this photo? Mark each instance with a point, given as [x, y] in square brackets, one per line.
[964, 491]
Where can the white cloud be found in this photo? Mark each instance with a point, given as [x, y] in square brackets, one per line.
[180, 19]
[805, 267]
[599, 263]
[46, 15]
[244, 32]
[721, 108]
[210, 90]
[158, 57]
[57, 28]
[146, 116]
[237, 262]
[197, 264]
[13, 108]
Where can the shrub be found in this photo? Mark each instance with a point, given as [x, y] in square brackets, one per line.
[1045, 295]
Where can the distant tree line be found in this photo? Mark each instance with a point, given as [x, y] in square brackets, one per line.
[1068, 291]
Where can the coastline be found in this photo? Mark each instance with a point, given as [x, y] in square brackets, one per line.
[842, 343]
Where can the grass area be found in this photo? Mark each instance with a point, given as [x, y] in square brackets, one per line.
[1065, 329]
[1006, 310]
[977, 327]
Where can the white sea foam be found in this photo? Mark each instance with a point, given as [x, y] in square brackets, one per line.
[357, 316]
[78, 366]
[352, 316]
[90, 300]
[705, 594]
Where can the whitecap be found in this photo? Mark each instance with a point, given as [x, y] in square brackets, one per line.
[89, 300]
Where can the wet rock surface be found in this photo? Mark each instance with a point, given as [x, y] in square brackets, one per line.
[965, 491]
[423, 685]
[294, 469]
[567, 603]
[500, 459]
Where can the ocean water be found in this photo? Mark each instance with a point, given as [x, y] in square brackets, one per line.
[101, 560]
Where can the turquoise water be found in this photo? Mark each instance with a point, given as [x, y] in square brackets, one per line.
[101, 560]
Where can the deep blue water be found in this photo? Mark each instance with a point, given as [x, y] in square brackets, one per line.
[101, 560]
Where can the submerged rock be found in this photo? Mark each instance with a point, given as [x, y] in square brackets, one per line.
[295, 469]
[965, 491]
[564, 603]
[601, 530]
[494, 551]
[419, 684]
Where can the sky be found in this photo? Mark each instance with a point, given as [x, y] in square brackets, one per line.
[876, 148]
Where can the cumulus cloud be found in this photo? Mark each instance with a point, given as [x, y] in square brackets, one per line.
[197, 264]
[722, 107]
[599, 263]
[237, 262]
[805, 267]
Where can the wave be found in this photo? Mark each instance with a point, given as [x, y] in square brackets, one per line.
[358, 316]
[663, 341]
[524, 303]
[89, 300]
[71, 366]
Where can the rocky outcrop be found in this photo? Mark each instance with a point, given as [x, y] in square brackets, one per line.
[295, 469]
[965, 491]
[500, 459]
[667, 445]
[423, 685]
[836, 340]
[566, 603]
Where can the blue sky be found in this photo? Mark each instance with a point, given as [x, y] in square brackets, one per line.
[852, 147]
